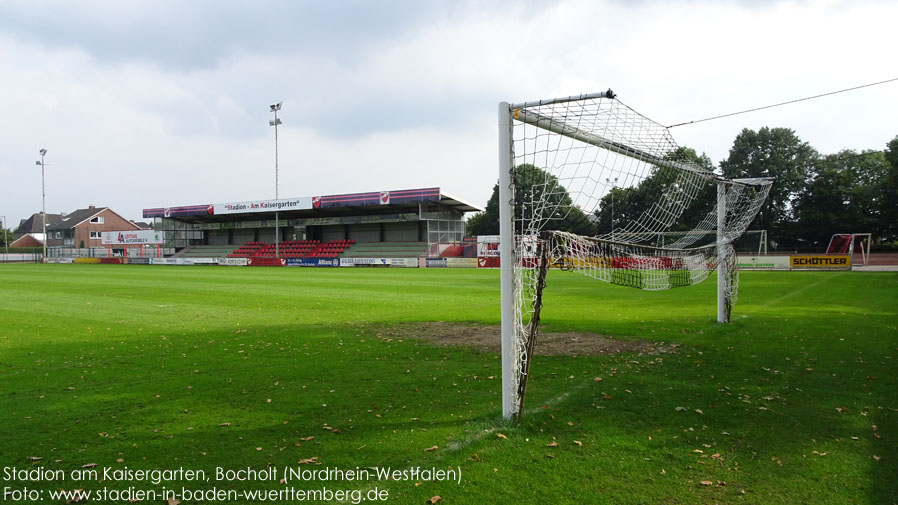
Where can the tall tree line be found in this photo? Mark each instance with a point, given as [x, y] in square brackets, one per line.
[815, 195]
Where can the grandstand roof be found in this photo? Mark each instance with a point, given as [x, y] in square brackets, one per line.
[371, 202]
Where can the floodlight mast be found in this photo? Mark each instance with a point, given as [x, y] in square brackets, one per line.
[277, 232]
[5, 236]
[43, 152]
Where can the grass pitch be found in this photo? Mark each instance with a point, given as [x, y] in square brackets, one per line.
[138, 367]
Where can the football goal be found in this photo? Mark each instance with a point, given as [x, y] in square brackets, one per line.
[851, 244]
[589, 185]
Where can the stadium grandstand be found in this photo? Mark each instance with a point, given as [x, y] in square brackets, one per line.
[411, 223]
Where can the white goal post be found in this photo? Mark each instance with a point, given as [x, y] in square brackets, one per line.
[579, 154]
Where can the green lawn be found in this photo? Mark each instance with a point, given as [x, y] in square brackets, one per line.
[203, 367]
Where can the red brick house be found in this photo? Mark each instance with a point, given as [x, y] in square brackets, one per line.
[82, 228]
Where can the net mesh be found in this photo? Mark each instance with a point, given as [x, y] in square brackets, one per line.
[580, 154]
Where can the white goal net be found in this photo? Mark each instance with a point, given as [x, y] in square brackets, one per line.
[589, 185]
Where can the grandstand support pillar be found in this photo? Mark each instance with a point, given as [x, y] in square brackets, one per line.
[721, 253]
[506, 259]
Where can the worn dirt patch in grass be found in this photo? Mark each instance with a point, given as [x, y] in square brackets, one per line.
[488, 337]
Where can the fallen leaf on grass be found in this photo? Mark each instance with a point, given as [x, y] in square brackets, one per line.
[877, 458]
[435, 499]
[308, 461]
[34, 458]
[552, 444]
[306, 439]
[431, 448]
[89, 465]
[501, 436]
[173, 501]
[578, 443]
[706, 483]
[224, 424]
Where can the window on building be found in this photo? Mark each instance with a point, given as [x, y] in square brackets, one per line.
[96, 220]
[94, 234]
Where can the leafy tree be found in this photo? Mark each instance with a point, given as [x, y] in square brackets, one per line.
[533, 184]
[5, 237]
[845, 196]
[889, 203]
[773, 152]
[631, 202]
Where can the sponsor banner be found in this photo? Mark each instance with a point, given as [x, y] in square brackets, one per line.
[266, 262]
[263, 205]
[391, 262]
[312, 262]
[189, 210]
[377, 198]
[364, 262]
[133, 237]
[488, 246]
[762, 262]
[232, 262]
[403, 262]
[461, 262]
[56, 260]
[435, 263]
[207, 226]
[201, 261]
[86, 260]
[487, 262]
[831, 262]
[183, 261]
[139, 261]
[111, 261]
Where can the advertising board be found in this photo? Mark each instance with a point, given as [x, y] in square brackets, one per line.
[762, 262]
[821, 262]
[461, 262]
[435, 263]
[312, 262]
[132, 237]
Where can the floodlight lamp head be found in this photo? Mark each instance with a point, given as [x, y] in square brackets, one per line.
[43, 152]
[276, 106]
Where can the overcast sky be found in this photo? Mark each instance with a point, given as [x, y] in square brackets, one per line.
[164, 103]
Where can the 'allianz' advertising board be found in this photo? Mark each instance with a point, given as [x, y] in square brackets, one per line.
[135, 237]
[263, 205]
